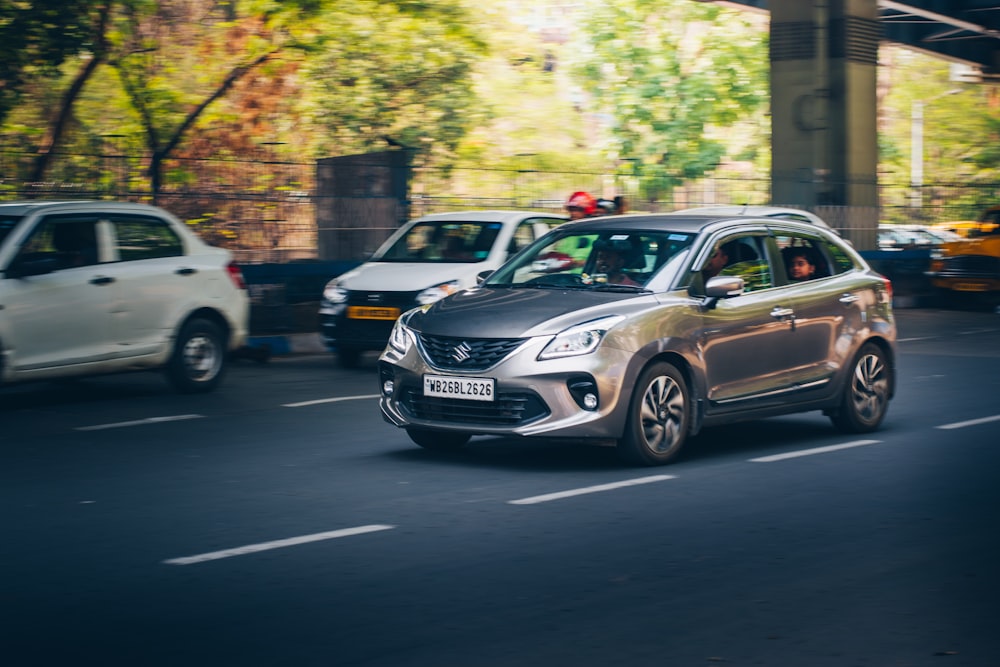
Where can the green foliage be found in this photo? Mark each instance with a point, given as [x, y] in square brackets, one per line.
[36, 38]
[667, 72]
[394, 74]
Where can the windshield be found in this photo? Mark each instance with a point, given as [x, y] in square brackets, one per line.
[6, 225]
[438, 242]
[612, 260]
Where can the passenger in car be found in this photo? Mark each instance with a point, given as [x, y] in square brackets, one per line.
[799, 264]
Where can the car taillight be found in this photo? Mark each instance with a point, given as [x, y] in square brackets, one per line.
[888, 289]
[236, 275]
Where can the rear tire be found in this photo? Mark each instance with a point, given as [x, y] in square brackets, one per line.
[659, 417]
[441, 441]
[199, 359]
[866, 392]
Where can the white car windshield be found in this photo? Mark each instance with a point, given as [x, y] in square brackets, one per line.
[438, 242]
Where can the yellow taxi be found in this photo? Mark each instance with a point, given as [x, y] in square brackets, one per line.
[971, 264]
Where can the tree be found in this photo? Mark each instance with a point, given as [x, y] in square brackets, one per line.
[666, 73]
[394, 74]
[36, 38]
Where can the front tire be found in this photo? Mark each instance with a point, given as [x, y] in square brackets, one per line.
[659, 417]
[440, 441]
[866, 392]
[199, 359]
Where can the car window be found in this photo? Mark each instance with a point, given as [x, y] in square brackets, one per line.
[70, 240]
[840, 260]
[524, 234]
[802, 257]
[748, 260]
[140, 237]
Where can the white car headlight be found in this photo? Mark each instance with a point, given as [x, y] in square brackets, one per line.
[580, 339]
[334, 293]
[438, 292]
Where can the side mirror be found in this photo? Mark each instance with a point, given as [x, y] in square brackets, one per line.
[722, 287]
[482, 276]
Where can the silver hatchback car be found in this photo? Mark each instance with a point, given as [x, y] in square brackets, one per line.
[640, 330]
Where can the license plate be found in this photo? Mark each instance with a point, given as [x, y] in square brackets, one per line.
[971, 287]
[371, 313]
[449, 386]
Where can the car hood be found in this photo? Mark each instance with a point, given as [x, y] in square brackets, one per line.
[520, 313]
[409, 276]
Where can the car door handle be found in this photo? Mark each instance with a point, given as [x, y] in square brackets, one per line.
[780, 313]
[102, 280]
[848, 299]
[186, 271]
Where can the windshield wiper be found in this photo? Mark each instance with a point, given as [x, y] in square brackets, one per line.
[614, 287]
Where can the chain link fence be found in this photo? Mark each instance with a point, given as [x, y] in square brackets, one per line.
[265, 210]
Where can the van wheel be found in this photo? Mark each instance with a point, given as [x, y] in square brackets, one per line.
[199, 359]
[659, 417]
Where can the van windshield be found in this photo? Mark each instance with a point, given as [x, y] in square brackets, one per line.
[438, 242]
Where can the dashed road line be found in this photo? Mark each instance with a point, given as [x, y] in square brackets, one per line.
[559, 495]
[138, 422]
[970, 422]
[276, 544]
[318, 401]
[811, 452]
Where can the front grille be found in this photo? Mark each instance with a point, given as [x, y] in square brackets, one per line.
[402, 300]
[509, 409]
[970, 266]
[470, 354]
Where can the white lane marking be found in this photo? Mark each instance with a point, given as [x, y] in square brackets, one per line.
[589, 489]
[328, 400]
[815, 450]
[276, 544]
[138, 422]
[971, 422]
[916, 338]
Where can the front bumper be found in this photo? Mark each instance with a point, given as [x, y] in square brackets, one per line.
[533, 398]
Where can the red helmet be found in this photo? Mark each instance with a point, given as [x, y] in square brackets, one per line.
[583, 201]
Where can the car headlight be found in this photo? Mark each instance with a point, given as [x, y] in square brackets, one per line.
[400, 339]
[438, 292]
[334, 293]
[580, 339]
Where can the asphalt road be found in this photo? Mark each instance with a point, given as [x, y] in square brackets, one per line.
[280, 521]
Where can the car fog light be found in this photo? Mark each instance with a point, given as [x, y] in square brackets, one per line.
[387, 378]
[583, 389]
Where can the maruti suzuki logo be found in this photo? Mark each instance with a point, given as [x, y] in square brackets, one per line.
[461, 352]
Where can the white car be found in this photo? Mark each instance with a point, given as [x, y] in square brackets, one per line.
[757, 211]
[95, 287]
[424, 260]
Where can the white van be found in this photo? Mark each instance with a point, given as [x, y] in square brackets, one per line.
[424, 260]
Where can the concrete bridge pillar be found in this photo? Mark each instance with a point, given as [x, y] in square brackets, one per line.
[824, 55]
